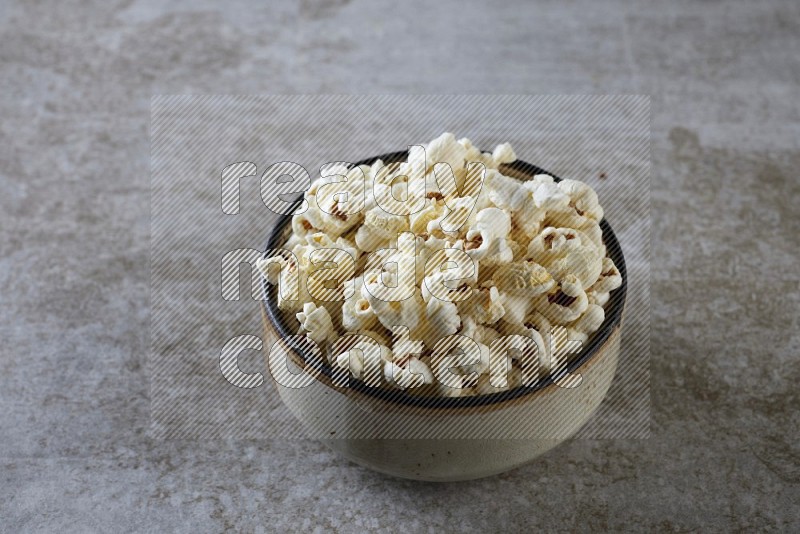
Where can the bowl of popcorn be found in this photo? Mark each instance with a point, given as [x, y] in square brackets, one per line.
[454, 313]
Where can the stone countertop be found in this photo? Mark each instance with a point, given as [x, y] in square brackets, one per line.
[75, 454]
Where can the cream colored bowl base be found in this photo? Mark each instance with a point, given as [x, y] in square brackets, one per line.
[552, 415]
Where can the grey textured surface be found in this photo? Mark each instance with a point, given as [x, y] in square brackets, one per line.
[74, 178]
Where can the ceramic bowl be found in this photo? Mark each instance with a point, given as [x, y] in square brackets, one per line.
[467, 437]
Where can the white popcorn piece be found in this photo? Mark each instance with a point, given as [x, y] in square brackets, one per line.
[480, 333]
[526, 278]
[582, 262]
[353, 362]
[341, 203]
[516, 307]
[310, 221]
[271, 274]
[409, 312]
[523, 355]
[315, 322]
[565, 303]
[566, 251]
[518, 283]
[362, 355]
[538, 322]
[293, 277]
[490, 224]
[474, 369]
[413, 374]
[445, 149]
[490, 253]
[457, 387]
[590, 321]
[505, 192]
[455, 219]
[596, 297]
[503, 153]
[583, 199]
[379, 230]
[472, 152]
[418, 222]
[357, 312]
[547, 195]
[486, 238]
[442, 320]
[485, 334]
[460, 362]
[320, 240]
[488, 161]
[538, 328]
[440, 283]
[609, 279]
[485, 307]
[527, 221]
[553, 243]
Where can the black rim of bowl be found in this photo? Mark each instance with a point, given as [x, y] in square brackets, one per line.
[613, 308]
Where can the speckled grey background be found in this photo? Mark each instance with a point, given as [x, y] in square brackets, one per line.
[74, 188]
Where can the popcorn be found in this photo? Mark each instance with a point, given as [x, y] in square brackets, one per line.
[609, 278]
[566, 251]
[582, 262]
[481, 366]
[526, 278]
[547, 195]
[593, 232]
[292, 291]
[596, 297]
[486, 238]
[519, 283]
[460, 214]
[490, 225]
[504, 192]
[357, 313]
[418, 222]
[565, 303]
[364, 354]
[379, 229]
[413, 374]
[445, 149]
[485, 334]
[527, 222]
[439, 283]
[472, 153]
[340, 203]
[503, 154]
[583, 199]
[520, 349]
[408, 312]
[442, 320]
[587, 323]
[316, 323]
[459, 356]
[535, 252]
[486, 308]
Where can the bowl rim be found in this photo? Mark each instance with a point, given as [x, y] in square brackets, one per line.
[613, 318]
